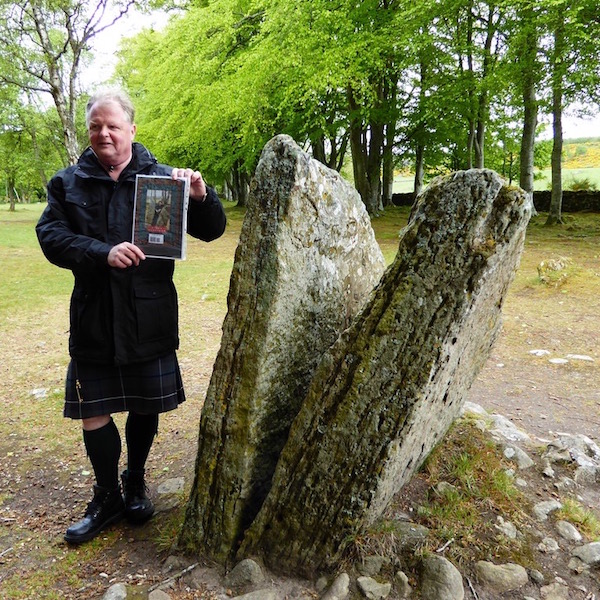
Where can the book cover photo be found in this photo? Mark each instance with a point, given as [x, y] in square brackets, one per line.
[160, 216]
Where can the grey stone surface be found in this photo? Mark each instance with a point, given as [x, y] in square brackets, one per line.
[245, 574]
[568, 531]
[542, 509]
[518, 456]
[441, 579]
[402, 369]
[588, 553]
[306, 261]
[402, 585]
[371, 565]
[118, 591]
[501, 578]
[339, 589]
[372, 589]
[266, 594]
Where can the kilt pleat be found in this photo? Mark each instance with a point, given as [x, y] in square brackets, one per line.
[151, 387]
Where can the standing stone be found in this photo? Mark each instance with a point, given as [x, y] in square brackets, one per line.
[306, 261]
[387, 391]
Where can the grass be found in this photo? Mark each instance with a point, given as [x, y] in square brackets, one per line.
[464, 485]
[36, 444]
[586, 522]
[569, 178]
[476, 489]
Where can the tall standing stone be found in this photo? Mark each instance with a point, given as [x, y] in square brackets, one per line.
[306, 261]
[393, 383]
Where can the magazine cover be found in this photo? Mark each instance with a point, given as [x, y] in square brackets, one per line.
[160, 216]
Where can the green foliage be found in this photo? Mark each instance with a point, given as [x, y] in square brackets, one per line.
[223, 77]
[576, 185]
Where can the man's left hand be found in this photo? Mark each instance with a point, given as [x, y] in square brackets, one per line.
[197, 185]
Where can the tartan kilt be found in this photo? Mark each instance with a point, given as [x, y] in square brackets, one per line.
[151, 387]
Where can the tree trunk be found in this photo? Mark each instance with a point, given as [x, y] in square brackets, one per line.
[479, 143]
[554, 213]
[239, 184]
[388, 165]
[366, 145]
[64, 107]
[483, 100]
[388, 389]
[472, 132]
[528, 51]
[390, 94]
[419, 169]
[528, 137]
[337, 151]
[10, 184]
[420, 134]
[318, 149]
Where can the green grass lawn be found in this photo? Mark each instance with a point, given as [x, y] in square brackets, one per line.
[569, 176]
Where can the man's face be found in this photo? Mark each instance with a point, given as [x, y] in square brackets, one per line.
[111, 133]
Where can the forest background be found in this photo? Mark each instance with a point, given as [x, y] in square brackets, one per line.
[389, 92]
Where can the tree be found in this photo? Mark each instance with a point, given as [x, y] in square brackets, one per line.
[387, 78]
[525, 51]
[29, 148]
[573, 55]
[218, 117]
[42, 45]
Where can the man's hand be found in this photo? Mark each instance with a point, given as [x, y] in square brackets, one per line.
[197, 185]
[125, 255]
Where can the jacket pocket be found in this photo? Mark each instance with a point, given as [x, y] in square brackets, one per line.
[86, 211]
[156, 311]
[88, 320]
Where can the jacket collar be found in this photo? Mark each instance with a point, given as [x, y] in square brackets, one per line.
[141, 158]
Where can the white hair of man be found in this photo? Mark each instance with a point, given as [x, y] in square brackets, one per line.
[110, 95]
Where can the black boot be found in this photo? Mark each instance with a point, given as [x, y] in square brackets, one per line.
[106, 507]
[138, 507]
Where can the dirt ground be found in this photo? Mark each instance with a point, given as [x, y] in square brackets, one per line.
[541, 397]
[45, 479]
[40, 501]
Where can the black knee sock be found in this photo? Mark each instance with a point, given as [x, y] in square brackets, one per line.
[104, 449]
[139, 433]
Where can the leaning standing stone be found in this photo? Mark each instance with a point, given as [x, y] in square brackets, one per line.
[387, 391]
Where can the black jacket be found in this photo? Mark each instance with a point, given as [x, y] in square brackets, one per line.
[118, 316]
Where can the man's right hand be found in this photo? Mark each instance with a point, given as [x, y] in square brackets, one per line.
[125, 255]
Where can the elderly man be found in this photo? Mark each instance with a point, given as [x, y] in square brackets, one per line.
[123, 358]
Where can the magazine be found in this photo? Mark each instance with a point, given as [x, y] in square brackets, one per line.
[160, 216]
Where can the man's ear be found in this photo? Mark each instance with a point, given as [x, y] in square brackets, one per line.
[133, 130]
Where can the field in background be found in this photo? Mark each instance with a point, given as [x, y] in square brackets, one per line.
[581, 163]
